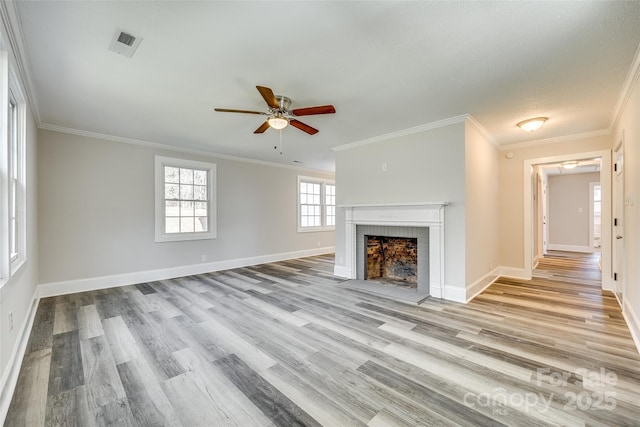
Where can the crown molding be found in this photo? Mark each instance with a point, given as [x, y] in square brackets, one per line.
[555, 140]
[403, 132]
[184, 150]
[476, 124]
[13, 30]
[629, 85]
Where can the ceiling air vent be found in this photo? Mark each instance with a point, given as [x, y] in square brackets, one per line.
[124, 43]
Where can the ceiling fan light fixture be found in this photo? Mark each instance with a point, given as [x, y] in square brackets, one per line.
[570, 165]
[531, 125]
[278, 122]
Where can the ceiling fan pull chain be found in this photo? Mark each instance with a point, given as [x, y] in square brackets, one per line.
[281, 142]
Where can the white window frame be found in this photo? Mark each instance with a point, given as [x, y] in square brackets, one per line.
[323, 206]
[160, 234]
[4, 172]
[13, 181]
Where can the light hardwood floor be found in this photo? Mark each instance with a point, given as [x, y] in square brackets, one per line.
[284, 344]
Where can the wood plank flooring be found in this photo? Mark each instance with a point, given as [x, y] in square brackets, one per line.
[284, 344]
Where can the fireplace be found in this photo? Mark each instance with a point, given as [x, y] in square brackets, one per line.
[392, 260]
[402, 248]
[423, 223]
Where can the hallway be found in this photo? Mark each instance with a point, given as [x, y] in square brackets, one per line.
[570, 267]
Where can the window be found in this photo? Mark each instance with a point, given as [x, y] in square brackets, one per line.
[330, 203]
[185, 200]
[14, 154]
[316, 204]
[15, 180]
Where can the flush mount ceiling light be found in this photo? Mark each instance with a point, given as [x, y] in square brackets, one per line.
[531, 125]
[569, 165]
[277, 121]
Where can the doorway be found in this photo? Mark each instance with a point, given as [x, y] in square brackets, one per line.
[531, 232]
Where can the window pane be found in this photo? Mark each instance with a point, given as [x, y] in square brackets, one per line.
[170, 174]
[13, 249]
[200, 177]
[199, 192]
[186, 209]
[201, 209]
[316, 200]
[172, 225]
[186, 192]
[201, 223]
[171, 191]
[171, 208]
[186, 225]
[186, 176]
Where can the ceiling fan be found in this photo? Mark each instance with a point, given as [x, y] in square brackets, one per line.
[279, 115]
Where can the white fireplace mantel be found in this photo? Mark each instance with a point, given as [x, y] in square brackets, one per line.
[423, 214]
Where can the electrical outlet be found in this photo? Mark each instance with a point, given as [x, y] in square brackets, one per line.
[203, 258]
[11, 321]
[318, 244]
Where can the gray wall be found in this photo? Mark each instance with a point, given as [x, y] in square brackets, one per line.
[569, 209]
[97, 210]
[423, 167]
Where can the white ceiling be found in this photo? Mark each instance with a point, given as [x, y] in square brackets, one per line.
[385, 66]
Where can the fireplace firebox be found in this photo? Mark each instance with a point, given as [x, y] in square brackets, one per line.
[392, 260]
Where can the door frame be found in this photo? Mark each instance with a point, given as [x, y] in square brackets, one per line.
[618, 257]
[605, 183]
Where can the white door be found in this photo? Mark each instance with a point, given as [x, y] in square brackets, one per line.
[618, 223]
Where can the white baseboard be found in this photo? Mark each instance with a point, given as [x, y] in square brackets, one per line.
[455, 293]
[633, 321]
[570, 248]
[435, 292]
[93, 283]
[514, 273]
[481, 284]
[342, 271]
[10, 375]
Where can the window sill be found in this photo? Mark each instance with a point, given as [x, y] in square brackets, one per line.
[182, 237]
[17, 265]
[315, 229]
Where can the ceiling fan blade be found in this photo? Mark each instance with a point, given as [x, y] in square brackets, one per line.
[322, 109]
[303, 127]
[227, 110]
[268, 96]
[262, 128]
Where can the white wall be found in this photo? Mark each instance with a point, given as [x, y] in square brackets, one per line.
[569, 211]
[16, 296]
[427, 166]
[97, 211]
[628, 129]
[481, 207]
